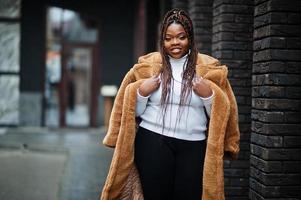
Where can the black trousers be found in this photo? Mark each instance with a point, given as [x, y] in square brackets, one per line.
[169, 168]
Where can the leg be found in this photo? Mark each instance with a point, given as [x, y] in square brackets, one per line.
[155, 163]
[189, 170]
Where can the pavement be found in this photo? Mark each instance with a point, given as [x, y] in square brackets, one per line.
[52, 164]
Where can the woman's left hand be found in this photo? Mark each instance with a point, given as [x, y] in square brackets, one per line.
[201, 87]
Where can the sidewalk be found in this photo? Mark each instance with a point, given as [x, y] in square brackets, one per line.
[52, 164]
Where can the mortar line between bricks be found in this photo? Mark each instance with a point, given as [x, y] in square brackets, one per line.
[276, 11]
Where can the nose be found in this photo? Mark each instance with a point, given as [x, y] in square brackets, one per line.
[175, 41]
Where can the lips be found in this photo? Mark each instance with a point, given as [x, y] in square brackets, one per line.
[175, 50]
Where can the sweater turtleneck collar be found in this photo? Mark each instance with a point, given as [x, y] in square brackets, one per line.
[178, 60]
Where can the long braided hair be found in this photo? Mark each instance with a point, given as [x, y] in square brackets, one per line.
[180, 17]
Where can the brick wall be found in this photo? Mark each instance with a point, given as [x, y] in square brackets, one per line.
[201, 15]
[260, 42]
[276, 138]
[232, 45]
[182, 4]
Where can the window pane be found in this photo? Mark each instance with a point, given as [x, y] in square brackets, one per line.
[10, 47]
[9, 101]
[10, 8]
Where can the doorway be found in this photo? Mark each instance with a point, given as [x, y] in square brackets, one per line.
[78, 89]
[72, 71]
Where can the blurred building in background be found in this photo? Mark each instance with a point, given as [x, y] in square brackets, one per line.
[55, 67]
[61, 63]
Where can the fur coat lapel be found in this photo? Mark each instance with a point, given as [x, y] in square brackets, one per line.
[223, 135]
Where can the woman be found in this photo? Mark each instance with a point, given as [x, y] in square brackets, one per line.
[168, 95]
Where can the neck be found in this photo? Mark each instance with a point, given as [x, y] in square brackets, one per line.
[183, 58]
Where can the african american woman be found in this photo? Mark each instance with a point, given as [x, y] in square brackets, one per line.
[173, 122]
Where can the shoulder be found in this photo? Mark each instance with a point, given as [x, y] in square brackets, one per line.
[149, 60]
[209, 63]
[153, 57]
[212, 69]
[207, 60]
[147, 65]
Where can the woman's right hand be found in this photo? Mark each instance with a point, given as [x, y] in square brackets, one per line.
[149, 86]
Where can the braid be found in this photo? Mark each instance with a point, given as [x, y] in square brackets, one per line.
[180, 17]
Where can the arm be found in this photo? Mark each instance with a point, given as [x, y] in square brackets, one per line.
[201, 87]
[144, 91]
[141, 104]
[116, 114]
[208, 103]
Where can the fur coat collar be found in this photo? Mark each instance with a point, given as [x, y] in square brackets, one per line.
[223, 133]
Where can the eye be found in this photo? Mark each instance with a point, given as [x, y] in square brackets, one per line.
[182, 37]
[167, 39]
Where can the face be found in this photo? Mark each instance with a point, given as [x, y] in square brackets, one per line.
[176, 42]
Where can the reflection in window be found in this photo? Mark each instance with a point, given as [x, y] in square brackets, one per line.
[10, 40]
[10, 8]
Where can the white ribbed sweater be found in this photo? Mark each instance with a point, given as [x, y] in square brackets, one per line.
[192, 123]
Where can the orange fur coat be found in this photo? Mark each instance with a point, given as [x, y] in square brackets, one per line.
[222, 141]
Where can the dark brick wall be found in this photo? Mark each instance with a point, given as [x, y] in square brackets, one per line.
[201, 14]
[232, 45]
[182, 4]
[260, 42]
[275, 171]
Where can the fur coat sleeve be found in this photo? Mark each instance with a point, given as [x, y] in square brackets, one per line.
[231, 146]
[223, 132]
[116, 114]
